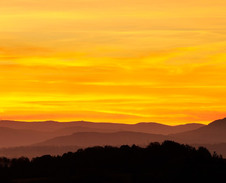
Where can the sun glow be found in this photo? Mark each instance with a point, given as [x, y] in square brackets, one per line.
[124, 61]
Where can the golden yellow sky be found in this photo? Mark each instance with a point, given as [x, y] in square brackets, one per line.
[117, 61]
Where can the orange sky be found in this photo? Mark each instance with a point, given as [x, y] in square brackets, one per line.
[116, 61]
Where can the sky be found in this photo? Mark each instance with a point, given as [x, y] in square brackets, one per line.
[122, 61]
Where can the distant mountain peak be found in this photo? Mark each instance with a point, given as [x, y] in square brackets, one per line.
[50, 121]
[150, 123]
[218, 123]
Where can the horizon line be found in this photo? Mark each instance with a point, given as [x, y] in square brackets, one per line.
[104, 122]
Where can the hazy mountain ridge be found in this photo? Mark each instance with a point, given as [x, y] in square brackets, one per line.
[87, 139]
[85, 134]
[213, 133]
[15, 137]
[19, 133]
[146, 127]
[205, 135]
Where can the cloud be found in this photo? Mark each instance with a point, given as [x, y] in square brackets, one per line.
[124, 61]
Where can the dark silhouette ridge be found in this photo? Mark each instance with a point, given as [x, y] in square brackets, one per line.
[219, 148]
[35, 151]
[168, 162]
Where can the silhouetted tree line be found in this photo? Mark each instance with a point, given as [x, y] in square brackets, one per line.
[168, 162]
[34, 151]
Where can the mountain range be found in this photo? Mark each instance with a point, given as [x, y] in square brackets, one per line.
[28, 135]
[213, 133]
[79, 126]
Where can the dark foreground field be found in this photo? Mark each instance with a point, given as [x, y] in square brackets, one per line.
[168, 162]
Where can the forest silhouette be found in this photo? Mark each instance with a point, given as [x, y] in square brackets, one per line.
[168, 162]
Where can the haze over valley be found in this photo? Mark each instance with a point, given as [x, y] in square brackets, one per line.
[50, 137]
